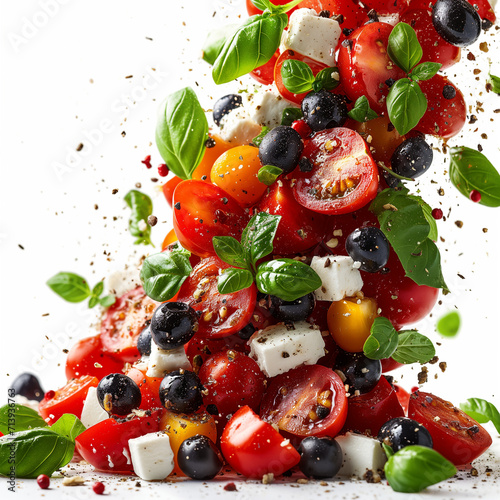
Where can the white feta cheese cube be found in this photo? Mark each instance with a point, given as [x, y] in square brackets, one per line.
[340, 277]
[278, 349]
[152, 456]
[161, 361]
[92, 412]
[120, 282]
[238, 128]
[361, 454]
[312, 36]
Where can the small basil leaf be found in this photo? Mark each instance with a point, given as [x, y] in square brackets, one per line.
[98, 289]
[362, 111]
[107, 301]
[142, 207]
[229, 250]
[449, 324]
[327, 79]
[470, 170]
[413, 347]
[70, 287]
[494, 81]
[425, 71]
[181, 132]
[34, 452]
[232, 280]
[257, 140]
[287, 7]
[162, 274]
[93, 301]
[215, 41]
[268, 174]
[406, 105]
[250, 46]
[383, 340]
[257, 238]
[290, 115]
[68, 426]
[403, 47]
[482, 411]
[388, 450]
[297, 76]
[414, 468]
[287, 279]
[263, 4]
[18, 418]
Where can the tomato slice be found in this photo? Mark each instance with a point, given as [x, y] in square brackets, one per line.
[123, 323]
[293, 401]
[458, 437]
[344, 176]
[253, 447]
[68, 399]
[220, 315]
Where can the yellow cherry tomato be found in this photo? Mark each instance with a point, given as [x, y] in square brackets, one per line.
[202, 171]
[350, 320]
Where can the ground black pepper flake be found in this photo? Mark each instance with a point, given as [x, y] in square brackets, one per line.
[79, 147]
[20, 246]
[210, 143]
[114, 191]
[459, 224]
[325, 13]
[471, 56]
[177, 206]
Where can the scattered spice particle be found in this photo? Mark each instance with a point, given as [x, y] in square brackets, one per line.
[443, 365]
[483, 47]
[485, 229]
[230, 487]
[114, 191]
[471, 56]
[441, 192]
[20, 246]
[459, 224]
[124, 133]
[129, 76]
[461, 276]
[423, 375]
[152, 220]
[473, 119]
[484, 136]
[96, 207]
[80, 146]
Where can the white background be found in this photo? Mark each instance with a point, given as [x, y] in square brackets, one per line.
[64, 83]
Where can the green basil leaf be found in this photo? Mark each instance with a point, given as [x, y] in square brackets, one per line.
[35, 452]
[470, 170]
[290, 115]
[250, 46]
[482, 411]
[433, 232]
[414, 468]
[215, 41]
[68, 426]
[268, 174]
[107, 301]
[71, 287]
[362, 111]
[181, 132]
[449, 324]
[403, 47]
[229, 250]
[16, 418]
[263, 4]
[162, 274]
[142, 207]
[232, 280]
[494, 81]
[406, 105]
[388, 450]
[413, 347]
[98, 289]
[287, 7]
[257, 238]
[93, 301]
[425, 71]
[327, 79]
[288, 279]
[383, 340]
[257, 140]
[297, 76]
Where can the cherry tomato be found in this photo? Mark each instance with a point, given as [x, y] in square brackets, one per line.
[86, 357]
[253, 11]
[403, 397]
[169, 187]
[354, 15]
[68, 399]
[221, 315]
[390, 364]
[368, 412]
[169, 239]
[364, 65]
[307, 401]
[202, 211]
[149, 386]
[265, 74]
[253, 447]
[344, 177]
[455, 435]
[299, 228]
[123, 323]
[385, 7]
[202, 171]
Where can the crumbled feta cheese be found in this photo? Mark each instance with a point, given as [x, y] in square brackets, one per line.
[92, 412]
[238, 128]
[30, 403]
[161, 361]
[120, 282]
[152, 456]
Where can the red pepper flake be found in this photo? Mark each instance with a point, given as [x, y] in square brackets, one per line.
[162, 170]
[147, 161]
[475, 196]
[437, 213]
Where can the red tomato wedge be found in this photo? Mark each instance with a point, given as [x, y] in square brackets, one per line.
[344, 177]
[293, 401]
[458, 437]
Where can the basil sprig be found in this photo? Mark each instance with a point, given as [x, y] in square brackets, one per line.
[298, 77]
[482, 411]
[449, 324]
[73, 288]
[414, 468]
[142, 207]
[403, 221]
[162, 274]
[181, 132]
[362, 111]
[16, 418]
[471, 170]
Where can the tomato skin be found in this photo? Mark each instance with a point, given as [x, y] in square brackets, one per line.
[403, 397]
[149, 386]
[390, 364]
[202, 171]
[265, 74]
[84, 355]
[68, 399]
[169, 187]
[457, 445]
[253, 447]
[354, 15]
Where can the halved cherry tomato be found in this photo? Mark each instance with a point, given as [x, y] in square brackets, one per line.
[123, 323]
[344, 177]
[458, 437]
[265, 74]
[169, 239]
[353, 14]
[149, 386]
[169, 187]
[403, 397]
[202, 211]
[390, 364]
[202, 171]
[296, 400]
[221, 315]
[254, 448]
[68, 399]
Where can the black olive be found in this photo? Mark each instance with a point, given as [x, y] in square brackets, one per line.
[27, 385]
[282, 148]
[456, 21]
[180, 392]
[412, 158]
[362, 374]
[369, 246]
[118, 394]
[224, 105]
[324, 110]
[297, 310]
[402, 431]
[173, 325]
[320, 457]
[199, 458]
[144, 341]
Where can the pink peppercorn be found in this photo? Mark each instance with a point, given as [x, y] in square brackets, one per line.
[43, 481]
[437, 213]
[302, 128]
[475, 196]
[98, 488]
[147, 161]
[162, 170]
